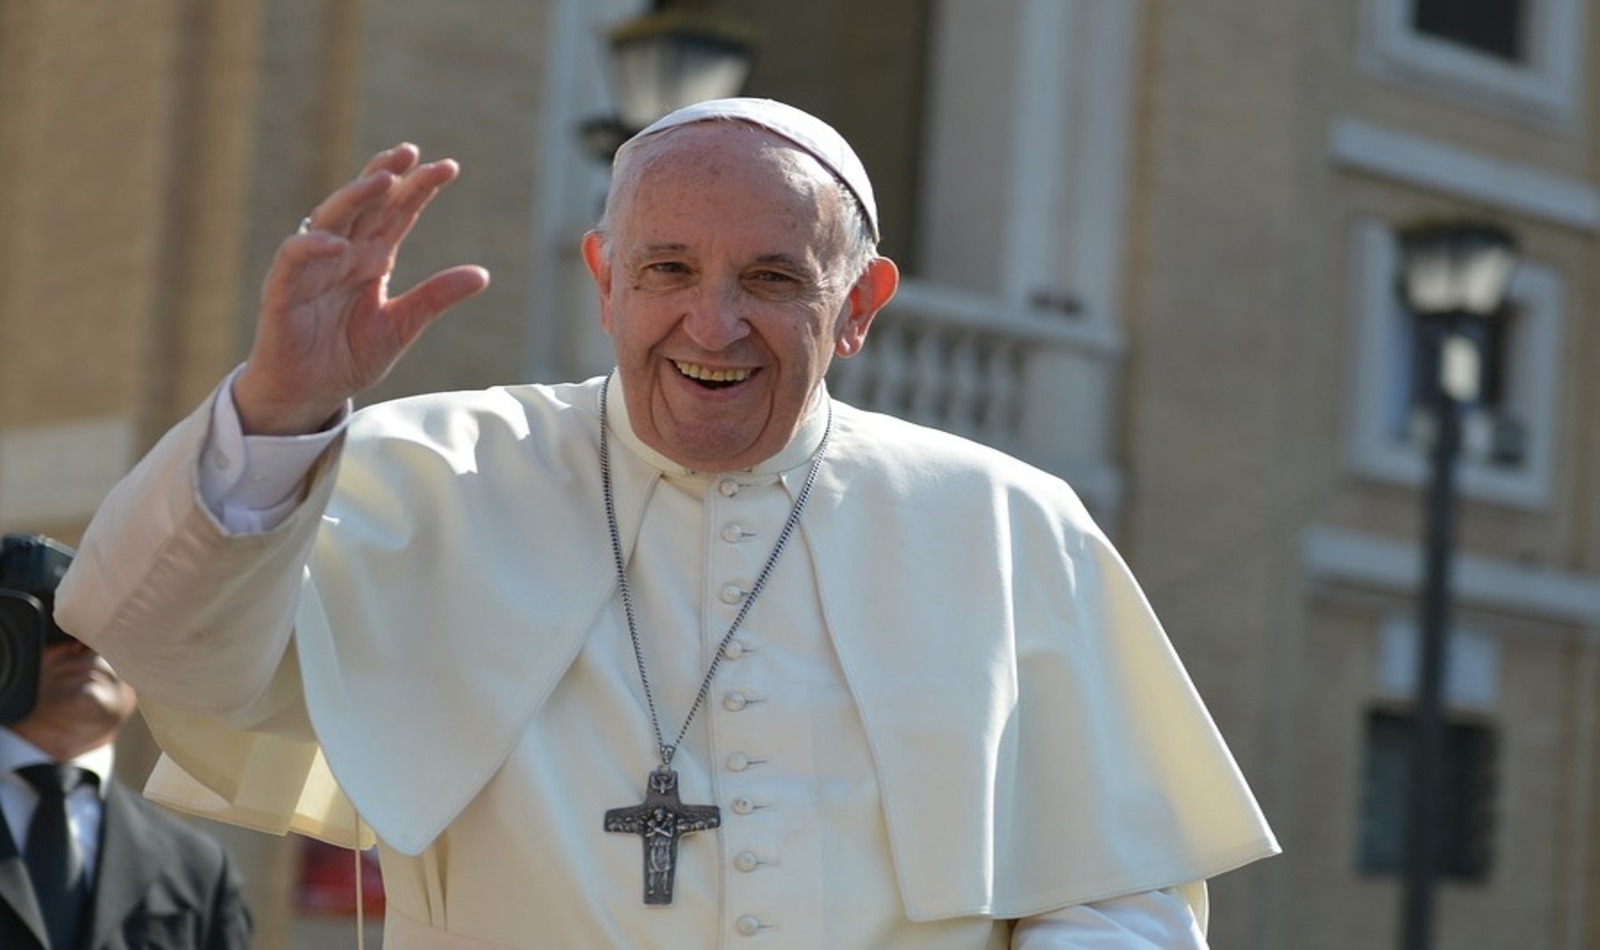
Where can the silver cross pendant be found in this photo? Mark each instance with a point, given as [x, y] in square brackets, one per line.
[659, 822]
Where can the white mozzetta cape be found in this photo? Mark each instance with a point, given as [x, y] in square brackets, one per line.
[1037, 742]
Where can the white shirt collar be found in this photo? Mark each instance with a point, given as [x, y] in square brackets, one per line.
[17, 752]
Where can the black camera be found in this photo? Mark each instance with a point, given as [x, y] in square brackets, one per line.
[30, 568]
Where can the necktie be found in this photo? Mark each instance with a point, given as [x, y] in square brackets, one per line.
[55, 863]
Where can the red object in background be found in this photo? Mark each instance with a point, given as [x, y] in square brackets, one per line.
[328, 881]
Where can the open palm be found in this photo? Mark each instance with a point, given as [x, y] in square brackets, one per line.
[328, 327]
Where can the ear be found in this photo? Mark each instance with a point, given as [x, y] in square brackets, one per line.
[599, 264]
[871, 292]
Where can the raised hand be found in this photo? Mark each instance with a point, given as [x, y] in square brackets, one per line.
[328, 328]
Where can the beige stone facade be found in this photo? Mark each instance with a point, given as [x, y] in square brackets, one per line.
[1242, 163]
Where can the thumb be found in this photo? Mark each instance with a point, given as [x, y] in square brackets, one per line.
[413, 311]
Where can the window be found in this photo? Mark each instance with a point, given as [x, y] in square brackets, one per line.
[1499, 434]
[1510, 439]
[1465, 814]
[1520, 57]
[1492, 27]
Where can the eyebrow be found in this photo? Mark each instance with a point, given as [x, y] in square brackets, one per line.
[659, 248]
[776, 258]
[785, 260]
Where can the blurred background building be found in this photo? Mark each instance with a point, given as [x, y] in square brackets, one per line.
[1150, 245]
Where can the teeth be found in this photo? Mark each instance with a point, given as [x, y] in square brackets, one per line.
[707, 375]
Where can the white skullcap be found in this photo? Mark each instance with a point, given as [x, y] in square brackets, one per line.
[819, 138]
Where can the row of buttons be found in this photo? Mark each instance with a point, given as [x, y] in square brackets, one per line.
[746, 925]
[745, 861]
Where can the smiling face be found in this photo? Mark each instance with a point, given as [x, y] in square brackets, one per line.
[727, 285]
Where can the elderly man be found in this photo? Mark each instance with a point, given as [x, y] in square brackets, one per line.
[686, 656]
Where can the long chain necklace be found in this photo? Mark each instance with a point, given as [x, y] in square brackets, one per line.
[663, 818]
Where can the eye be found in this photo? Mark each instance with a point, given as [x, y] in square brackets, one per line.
[662, 275]
[777, 278]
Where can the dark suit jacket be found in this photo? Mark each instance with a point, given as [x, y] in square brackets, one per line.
[160, 885]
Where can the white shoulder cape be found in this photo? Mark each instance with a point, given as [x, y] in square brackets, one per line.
[1038, 743]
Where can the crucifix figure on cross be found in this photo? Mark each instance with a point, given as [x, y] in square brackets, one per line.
[659, 822]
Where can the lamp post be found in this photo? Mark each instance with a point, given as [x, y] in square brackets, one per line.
[670, 57]
[1454, 277]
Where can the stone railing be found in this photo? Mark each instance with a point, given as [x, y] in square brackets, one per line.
[1038, 384]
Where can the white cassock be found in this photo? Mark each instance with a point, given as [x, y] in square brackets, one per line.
[950, 706]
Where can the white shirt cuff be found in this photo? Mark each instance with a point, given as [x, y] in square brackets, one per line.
[252, 483]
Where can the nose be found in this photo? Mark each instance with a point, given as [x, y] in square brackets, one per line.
[716, 319]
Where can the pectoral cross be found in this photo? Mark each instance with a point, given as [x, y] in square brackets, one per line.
[659, 823]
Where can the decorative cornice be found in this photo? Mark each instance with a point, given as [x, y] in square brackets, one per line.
[1451, 169]
[1343, 558]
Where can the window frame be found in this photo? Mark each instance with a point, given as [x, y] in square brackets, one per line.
[1380, 380]
[1466, 848]
[1546, 88]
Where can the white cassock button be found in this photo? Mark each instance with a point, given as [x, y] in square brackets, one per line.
[732, 594]
[738, 762]
[733, 534]
[747, 926]
[743, 806]
[728, 487]
[733, 702]
[733, 650]
[746, 861]
[219, 461]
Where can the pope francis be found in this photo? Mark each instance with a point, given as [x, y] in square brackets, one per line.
[690, 655]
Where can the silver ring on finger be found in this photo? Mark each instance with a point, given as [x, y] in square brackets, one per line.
[305, 225]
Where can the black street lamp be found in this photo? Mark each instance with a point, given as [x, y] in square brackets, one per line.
[671, 57]
[1454, 277]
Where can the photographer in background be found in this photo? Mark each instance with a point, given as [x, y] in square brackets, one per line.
[86, 864]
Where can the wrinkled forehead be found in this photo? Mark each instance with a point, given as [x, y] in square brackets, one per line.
[723, 154]
[800, 129]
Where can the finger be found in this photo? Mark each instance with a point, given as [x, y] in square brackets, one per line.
[338, 212]
[300, 248]
[383, 205]
[392, 221]
[370, 192]
[298, 268]
[399, 159]
[411, 312]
